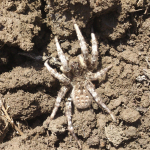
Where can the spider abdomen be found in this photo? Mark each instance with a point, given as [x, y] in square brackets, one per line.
[81, 97]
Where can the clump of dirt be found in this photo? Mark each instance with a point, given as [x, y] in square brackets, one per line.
[20, 23]
[130, 115]
[117, 135]
[28, 91]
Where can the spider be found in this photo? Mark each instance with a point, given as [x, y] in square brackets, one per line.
[76, 78]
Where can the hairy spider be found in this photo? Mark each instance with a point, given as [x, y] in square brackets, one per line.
[77, 76]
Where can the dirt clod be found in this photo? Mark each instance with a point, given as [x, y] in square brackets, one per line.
[130, 115]
[117, 135]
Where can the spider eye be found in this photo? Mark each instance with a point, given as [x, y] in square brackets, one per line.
[75, 65]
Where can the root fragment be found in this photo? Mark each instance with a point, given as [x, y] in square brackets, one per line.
[10, 120]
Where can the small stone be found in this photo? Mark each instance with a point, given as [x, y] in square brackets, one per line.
[130, 115]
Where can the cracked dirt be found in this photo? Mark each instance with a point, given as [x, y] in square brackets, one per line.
[122, 28]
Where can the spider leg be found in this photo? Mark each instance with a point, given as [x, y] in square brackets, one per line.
[97, 75]
[62, 57]
[61, 94]
[82, 62]
[70, 126]
[94, 58]
[82, 41]
[60, 77]
[91, 89]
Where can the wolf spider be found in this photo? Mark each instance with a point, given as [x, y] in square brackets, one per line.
[76, 78]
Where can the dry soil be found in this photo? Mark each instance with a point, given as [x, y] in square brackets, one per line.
[122, 28]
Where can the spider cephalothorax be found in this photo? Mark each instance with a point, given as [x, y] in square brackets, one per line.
[76, 68]
[77, 76]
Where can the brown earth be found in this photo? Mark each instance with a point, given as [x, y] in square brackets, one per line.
[122, 29]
